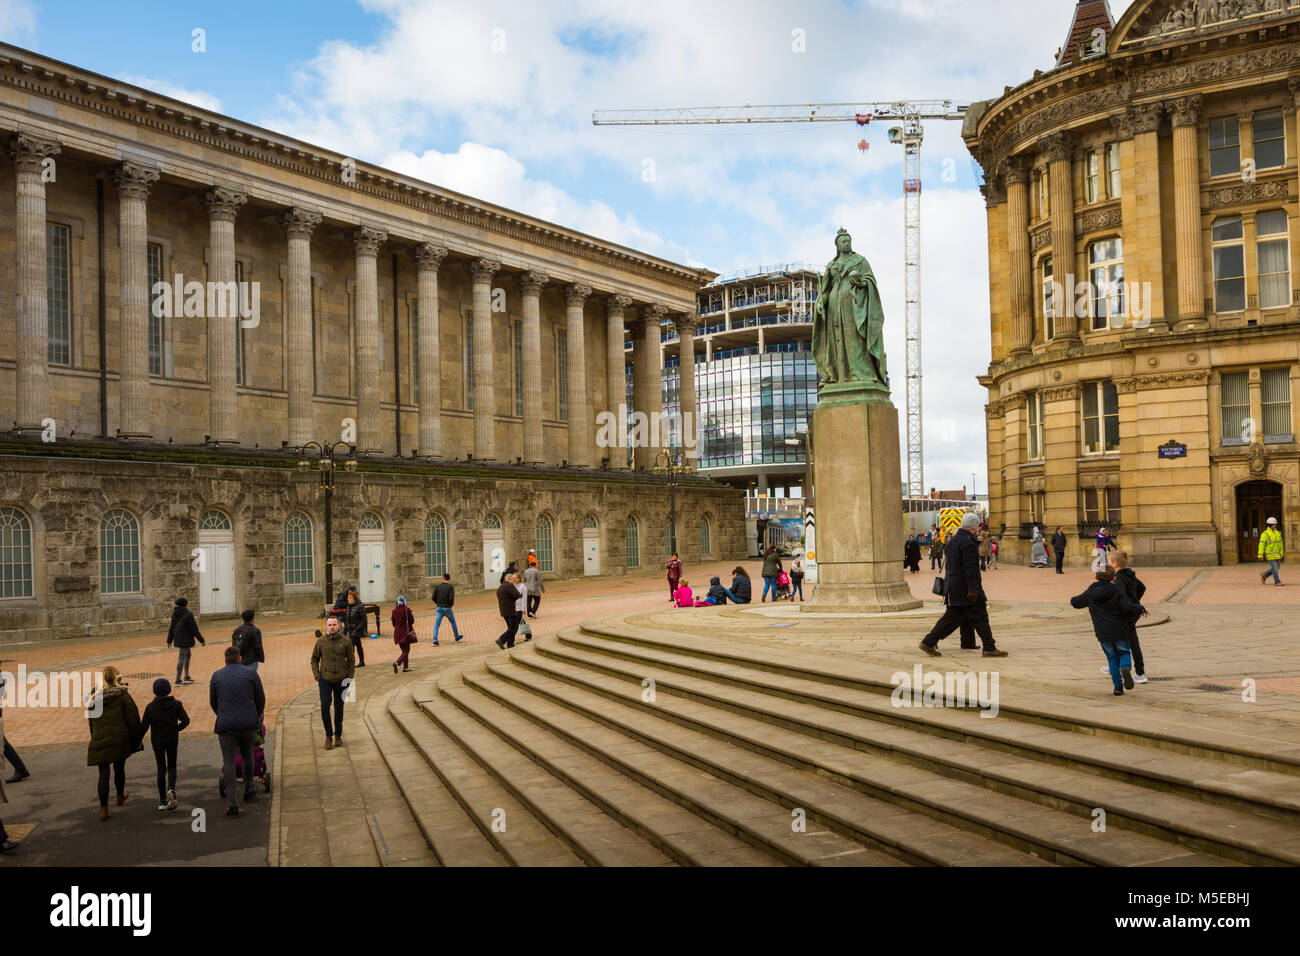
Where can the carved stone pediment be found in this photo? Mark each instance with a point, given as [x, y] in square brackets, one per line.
[1182, 19]
[1098, 219]
[1245, 193]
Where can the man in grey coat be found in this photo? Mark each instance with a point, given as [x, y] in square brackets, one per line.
[236, 697]
[533, 581]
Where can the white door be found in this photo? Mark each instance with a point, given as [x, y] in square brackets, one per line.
[494, 560]
[591, 553]
[374, 583]
[217, 577]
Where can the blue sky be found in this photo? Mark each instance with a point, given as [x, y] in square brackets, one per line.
[494, 98]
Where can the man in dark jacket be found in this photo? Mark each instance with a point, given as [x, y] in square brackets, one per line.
[165, 717]
[963, 592]
[353, 616]
[717, 593]
[1112, 614]
[510, 570]
[248, 638]
[444, 597]
[1058, 548]
[507, 596]
[235, 695]
[333, 664]
[184, 631]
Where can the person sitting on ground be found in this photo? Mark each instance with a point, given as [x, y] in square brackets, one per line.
[1111, 612]
[165, 718]
[717, 593]
[683, 597]
[740, 591]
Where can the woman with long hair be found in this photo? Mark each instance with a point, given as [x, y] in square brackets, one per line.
[114, 729]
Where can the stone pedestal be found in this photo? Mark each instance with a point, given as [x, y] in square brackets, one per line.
[859, 504]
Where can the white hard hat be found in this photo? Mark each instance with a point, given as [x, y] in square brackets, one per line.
[1271, 521]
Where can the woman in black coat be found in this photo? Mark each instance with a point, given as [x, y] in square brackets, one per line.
[912, 554]
[740, 586]
[353, 617]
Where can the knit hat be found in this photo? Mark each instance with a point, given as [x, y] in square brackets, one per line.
[162, 687]
[971, 521]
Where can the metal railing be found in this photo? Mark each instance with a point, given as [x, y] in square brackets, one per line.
[753, 272]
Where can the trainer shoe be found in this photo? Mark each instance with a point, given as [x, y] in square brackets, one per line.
[1105, 670]
[1119, 692]
[1139, 678]
[1128, 677]
[162, 806]
[459, 638]
[171, 799]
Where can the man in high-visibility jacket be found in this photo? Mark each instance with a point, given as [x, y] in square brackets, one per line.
[1270, 550]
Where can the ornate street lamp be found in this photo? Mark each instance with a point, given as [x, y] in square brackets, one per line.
[326, 457]
[669, 463]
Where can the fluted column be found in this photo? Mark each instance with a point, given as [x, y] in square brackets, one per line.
[649, 380]
[1294, 87]
[427, 258]
[1183, 113]
[1057, 149]
[575, 298]
[531, 285]
[686, 326]
[33, 386]
[1016, 174]
[616, 376]
[133, 185]
[366, 242]
[298, 226]
[223, 328]
[485, 446]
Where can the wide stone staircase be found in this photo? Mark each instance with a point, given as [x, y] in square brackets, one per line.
[613, 744]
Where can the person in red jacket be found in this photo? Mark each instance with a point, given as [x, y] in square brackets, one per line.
[403, 633]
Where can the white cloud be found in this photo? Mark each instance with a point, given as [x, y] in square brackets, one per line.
[18, 22]
[177, 92]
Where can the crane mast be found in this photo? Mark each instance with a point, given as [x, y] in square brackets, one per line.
[910, 114]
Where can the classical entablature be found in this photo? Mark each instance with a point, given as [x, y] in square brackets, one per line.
[1162, 21]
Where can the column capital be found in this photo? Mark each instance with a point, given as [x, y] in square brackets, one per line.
[1294, 86]
[1014, 170]
[223, 204]
[483, 269]
[1122, 123]
[1146, 117]
[654, 313]
[576, 294]
[28, 152]
[686, 322]
[994, 193]
[367, 240]
[617, 303]
[134, 181]
[1056, 146]
[1184, 110]
[299, 223]
[428, 255]
[533, 282]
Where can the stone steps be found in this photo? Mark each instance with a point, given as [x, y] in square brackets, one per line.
[872, 722]
[839, 785]
[1241, 743]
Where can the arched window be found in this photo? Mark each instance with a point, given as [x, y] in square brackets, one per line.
[119, 553]
[213, 520]
[632, 534]
[589, 522]
[492, 521]
[435, 546]
[298, 555]
[15, 554]
[371, 522]
[706, 538]
[545, 544]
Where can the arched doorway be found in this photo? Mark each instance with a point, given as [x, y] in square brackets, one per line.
[372, 559]
[217, 567]
[1257, 501]
[494, 550]
[590, 546]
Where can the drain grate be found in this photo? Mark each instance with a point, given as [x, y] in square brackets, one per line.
[1217, 688]
[1154, 679]
[142, 676]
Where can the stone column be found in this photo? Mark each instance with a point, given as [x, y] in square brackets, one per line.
[366, 242]
[636, 438]
[616, 376]
[485, 446]
[686, 325]
[1294, 87]
[1139, 148]
[133, 185]
[1183, 114]
[33, 386]
[532, 283]
[650, 379]
[223, 329]
[575, 298]
[298, 226]
[428, 257]
[1057, 150]
[1016, 175]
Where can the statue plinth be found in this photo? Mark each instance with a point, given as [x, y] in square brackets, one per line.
[859, 503]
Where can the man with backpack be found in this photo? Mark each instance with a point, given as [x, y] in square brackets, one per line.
[248, 638]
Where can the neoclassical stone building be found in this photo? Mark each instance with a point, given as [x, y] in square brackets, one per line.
[1142, 201]
[465, 350]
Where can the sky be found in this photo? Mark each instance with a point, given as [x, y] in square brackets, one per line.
[494, 98]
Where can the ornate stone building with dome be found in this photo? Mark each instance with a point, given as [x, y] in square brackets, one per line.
[1143, 304]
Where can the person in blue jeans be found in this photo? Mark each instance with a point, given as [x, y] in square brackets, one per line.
[1112, 614]
[739, 592]
[444, 596]
[771, 571]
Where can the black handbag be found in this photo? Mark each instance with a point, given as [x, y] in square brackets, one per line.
[940, 587]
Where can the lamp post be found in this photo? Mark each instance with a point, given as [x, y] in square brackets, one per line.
[322, 456]
[669, 464]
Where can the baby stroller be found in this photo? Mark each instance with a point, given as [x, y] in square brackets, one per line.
[261, 772]
[782, 592]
